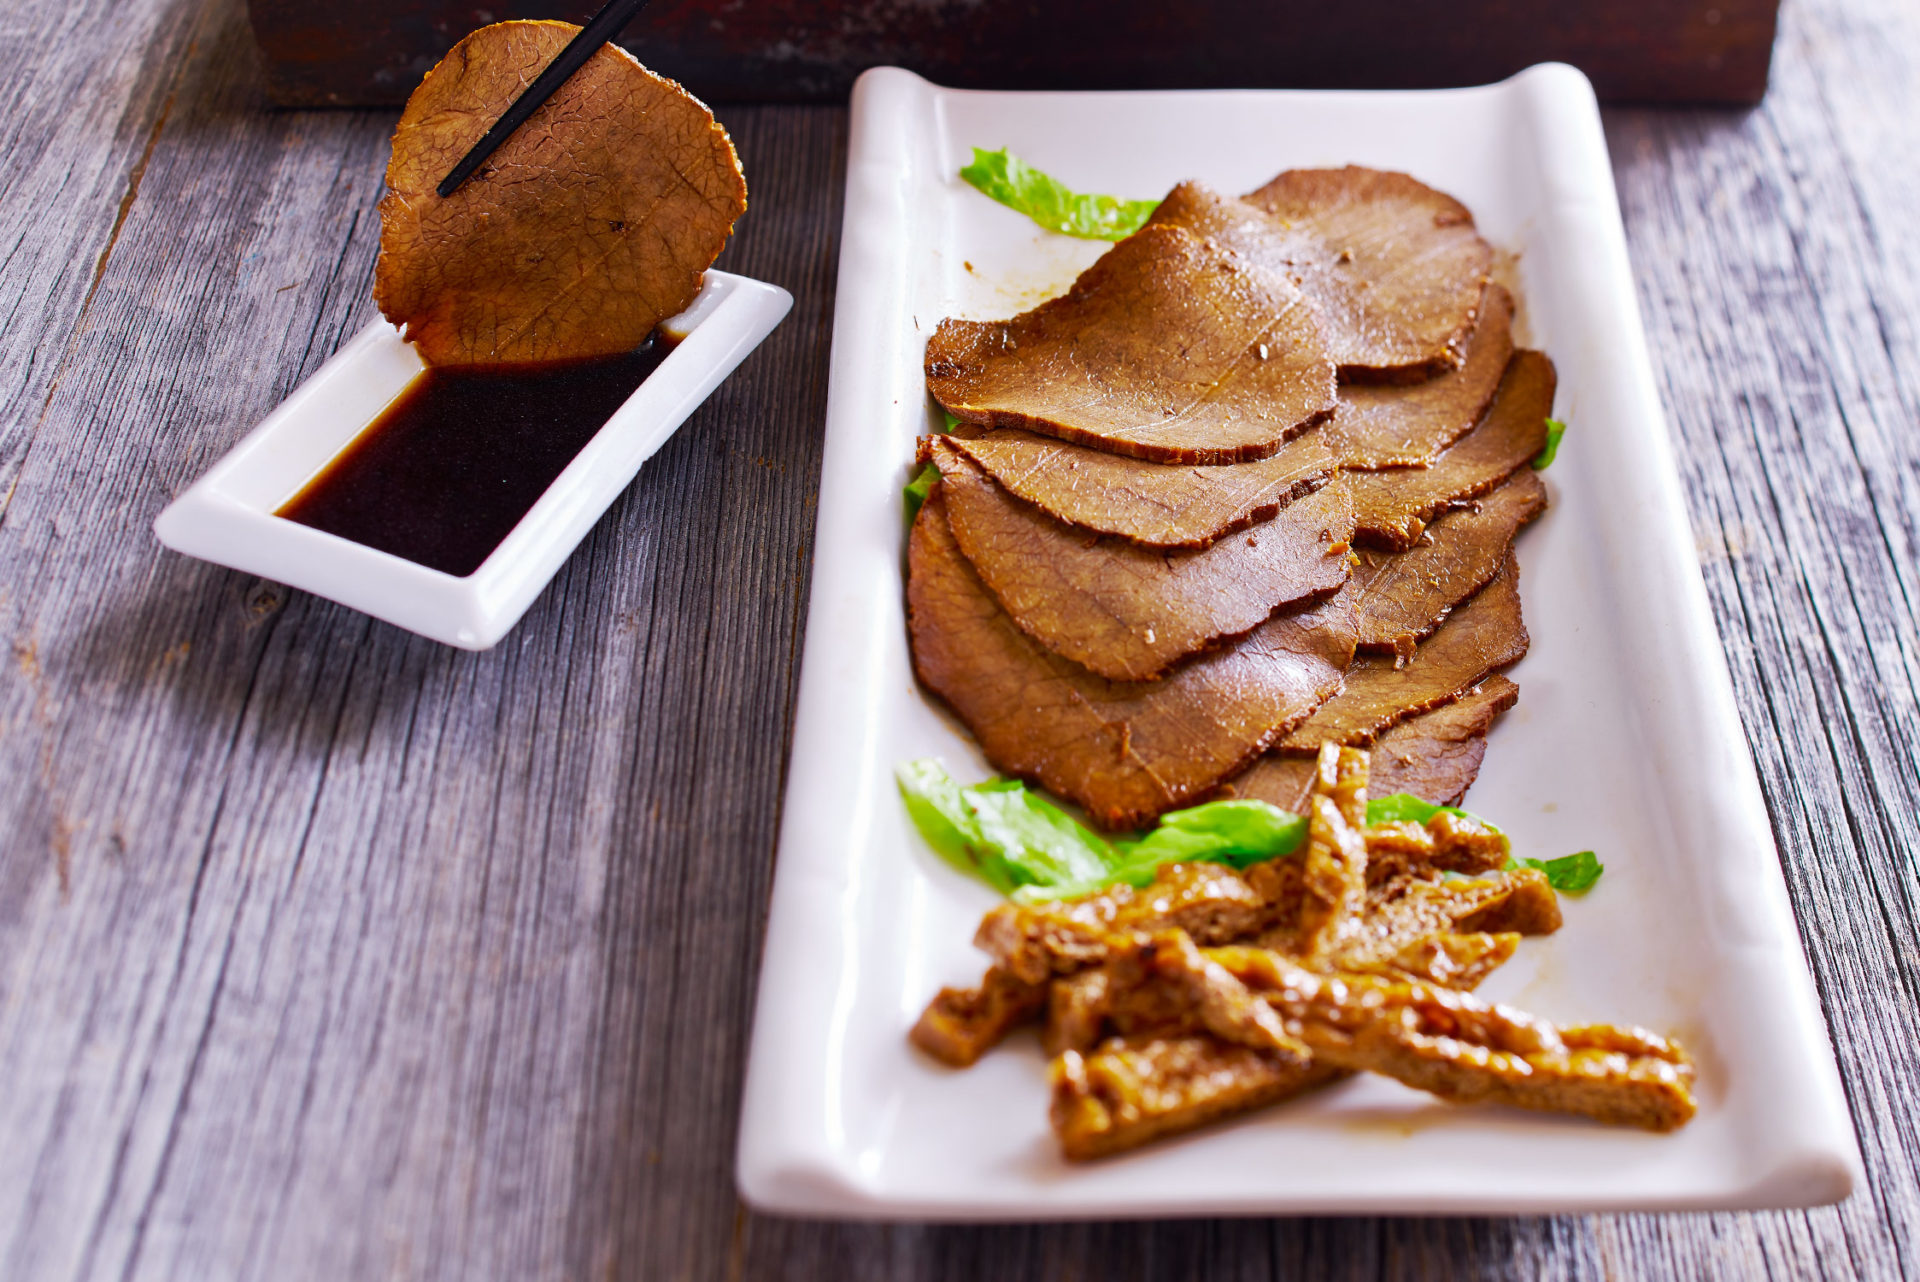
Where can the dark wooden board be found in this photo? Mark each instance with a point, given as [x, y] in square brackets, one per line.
[326, 952]
[369, 52]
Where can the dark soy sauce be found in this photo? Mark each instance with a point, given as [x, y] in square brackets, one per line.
[454, 463]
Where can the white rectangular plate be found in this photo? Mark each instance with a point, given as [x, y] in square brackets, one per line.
[227, 516]
[1626, 740]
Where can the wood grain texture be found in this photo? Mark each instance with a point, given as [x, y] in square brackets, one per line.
[327, 952]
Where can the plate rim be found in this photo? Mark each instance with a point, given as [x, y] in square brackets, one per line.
[1818, 1164]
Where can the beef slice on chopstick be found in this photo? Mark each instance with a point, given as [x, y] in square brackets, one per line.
[1166, 349]
[1393, 507]
[1125, 751]
[1477, 640]
[1434, 756]
[1399, 598]
[1163, 505]
[1385, 425]
[1393, 270]
[584, 230]
[1125, 612]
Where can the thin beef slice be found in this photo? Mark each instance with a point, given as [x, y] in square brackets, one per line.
[1126, 612]
[1393, 269]
[1393, 507]
[1481, 637]
[1154, 504]
[1380, 425]
[1434, 756]
[1127, 752]
[1400, 597]
[587, 228]
[1165, 349]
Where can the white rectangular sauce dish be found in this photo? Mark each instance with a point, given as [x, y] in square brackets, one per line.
[227, 516]
[1625, 741]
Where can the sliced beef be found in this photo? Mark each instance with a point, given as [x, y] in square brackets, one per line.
[1399, 277]
[588, 227]
[1126, 612]
[1434, 756]
[1400, 597]
[1153, 504]
[1394, 506]
[1126, 751]
[1481, 637]
[1166, 349]
[1380, 426]
[1393, 269]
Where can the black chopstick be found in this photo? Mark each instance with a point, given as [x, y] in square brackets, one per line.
[600, 28]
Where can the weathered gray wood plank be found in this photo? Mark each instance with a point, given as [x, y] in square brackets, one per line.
[326, 952]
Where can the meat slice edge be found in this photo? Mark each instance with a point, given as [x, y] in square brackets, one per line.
[1380, 426]
[1477, 640]
[1434, 756]
[1129, 613]
[1152, 504]
[1125, 751]
[1393, 507]
[1400, 598]
[1392, 269]
[1165, 349]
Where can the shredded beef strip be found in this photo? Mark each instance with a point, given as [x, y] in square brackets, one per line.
[1124, 751]
[1452, 1044]
[1393, 507]
[1157, 505]
[1129, 613]
[1131, 1092]
[1165, 349]
[1477, 639]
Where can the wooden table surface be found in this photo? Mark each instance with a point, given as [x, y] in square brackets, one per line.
[327, 952]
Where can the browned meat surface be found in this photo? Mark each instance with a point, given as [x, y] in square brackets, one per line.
[587, 228]
[1445, 843]
[1333, 868]
[1400, 597]
[1446, 958]
[1407, 906]
[1393, 507]
[1126, 612]
[1433, 756]
[1210, 902]
[1125, 751]
[962, 1024]
[1165, 349]
[1380, 426]
[1436, 1039]
[1393, 269]
[1132, 1092]
[1477, 639]
[1154, 504]
[1436, 756]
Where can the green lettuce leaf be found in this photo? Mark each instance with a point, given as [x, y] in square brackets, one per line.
[1544, 459]
[1019, 842]
[1570, 874]
[1039, 843]
[1018, 185]
[937, 808]
[952, 422]
[918, 488]
[1404, 807]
